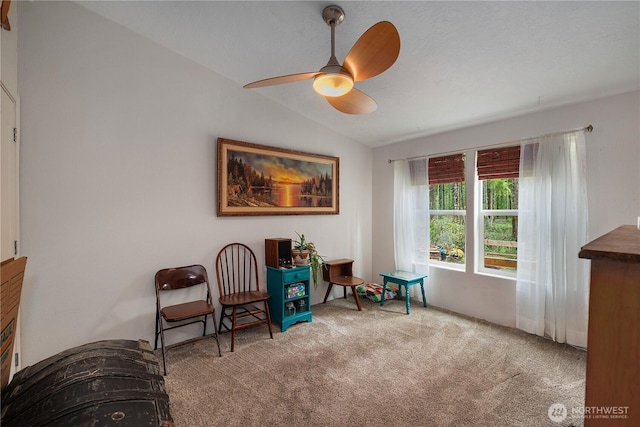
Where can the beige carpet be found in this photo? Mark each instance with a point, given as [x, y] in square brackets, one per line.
[378, 367]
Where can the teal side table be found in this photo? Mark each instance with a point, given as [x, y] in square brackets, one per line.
[406, 279]
[290, 300]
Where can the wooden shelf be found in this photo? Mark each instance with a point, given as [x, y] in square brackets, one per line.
[613, 342]
[621, 244]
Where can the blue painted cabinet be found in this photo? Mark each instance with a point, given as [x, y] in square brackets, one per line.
[290, 295]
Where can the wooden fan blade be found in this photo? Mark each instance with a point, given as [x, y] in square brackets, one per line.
[353, 102]
[4, 15]
[282, 79]
[375, 51]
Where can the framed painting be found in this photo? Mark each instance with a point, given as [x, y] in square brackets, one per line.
[261, 180]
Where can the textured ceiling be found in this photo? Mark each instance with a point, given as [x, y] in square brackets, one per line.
[460, 63]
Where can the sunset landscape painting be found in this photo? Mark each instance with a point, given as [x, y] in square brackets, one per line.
[260, 180]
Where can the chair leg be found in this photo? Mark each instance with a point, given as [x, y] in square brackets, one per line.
[233, 317]
[328, 292]
[233, 328]
[157, 320]
[223, 315]
[215, 331]
[221, 319]
[266, 309]
[164, 351]
[204, 323]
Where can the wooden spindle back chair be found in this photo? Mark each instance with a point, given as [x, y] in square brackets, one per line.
[243, 303]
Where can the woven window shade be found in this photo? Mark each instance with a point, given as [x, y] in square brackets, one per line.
[499, 163]
[446, 169]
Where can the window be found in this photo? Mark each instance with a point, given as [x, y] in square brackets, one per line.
[447, 209]
[497, 189]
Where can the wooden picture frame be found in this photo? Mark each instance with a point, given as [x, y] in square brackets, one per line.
[257, 179]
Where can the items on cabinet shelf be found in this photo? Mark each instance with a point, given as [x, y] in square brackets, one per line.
[289, 309]
[290, 293]
[294, 290]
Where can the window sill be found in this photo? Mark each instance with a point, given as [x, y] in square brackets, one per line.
[505, 276]
[448, 266]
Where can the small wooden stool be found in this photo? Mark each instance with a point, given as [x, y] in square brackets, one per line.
[340, 272]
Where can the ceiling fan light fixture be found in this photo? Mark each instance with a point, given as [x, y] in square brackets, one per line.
[374, 52]
[333, 84]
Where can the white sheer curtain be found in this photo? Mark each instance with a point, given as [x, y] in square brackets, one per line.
[552, 291]
[411, 215]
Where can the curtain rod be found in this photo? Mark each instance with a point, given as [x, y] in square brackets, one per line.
[588, 128]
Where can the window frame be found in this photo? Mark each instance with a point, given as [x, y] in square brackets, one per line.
[474, 213]
[508, 172]
[480, 267]
[450, 212]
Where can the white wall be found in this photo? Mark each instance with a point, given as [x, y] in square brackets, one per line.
[613, 169]
[118, 176]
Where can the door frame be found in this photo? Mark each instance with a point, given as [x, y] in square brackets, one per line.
[16, 363]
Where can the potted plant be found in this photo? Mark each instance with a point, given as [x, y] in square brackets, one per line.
[304, 253]
[300, 251]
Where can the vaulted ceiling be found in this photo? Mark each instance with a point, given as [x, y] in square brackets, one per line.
[460, 63]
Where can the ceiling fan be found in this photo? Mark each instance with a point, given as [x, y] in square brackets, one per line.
[374, 52]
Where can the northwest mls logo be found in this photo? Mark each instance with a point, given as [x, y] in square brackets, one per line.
[557, 412]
